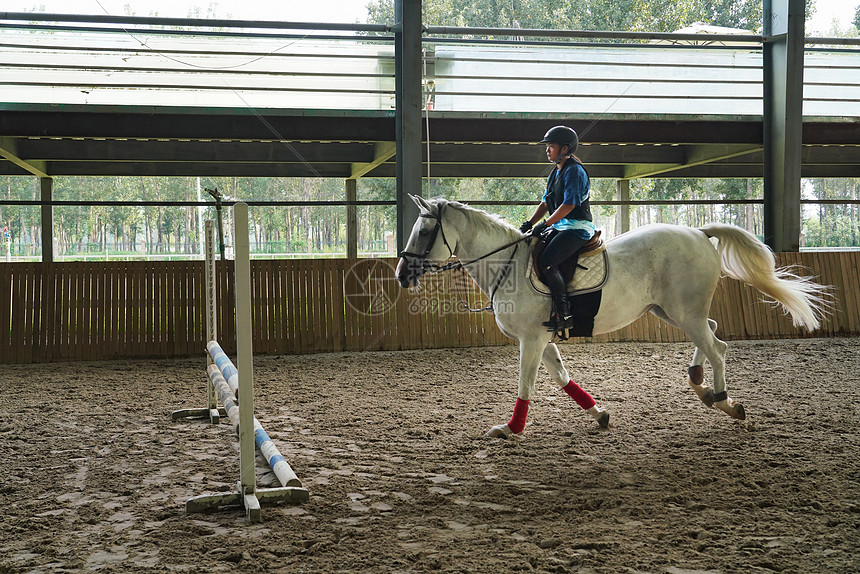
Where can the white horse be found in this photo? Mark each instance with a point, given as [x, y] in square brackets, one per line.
[670, 271]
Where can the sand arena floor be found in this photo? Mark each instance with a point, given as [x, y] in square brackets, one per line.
[94, 473]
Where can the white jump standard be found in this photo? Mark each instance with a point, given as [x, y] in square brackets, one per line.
[235, 389]
[211, 411]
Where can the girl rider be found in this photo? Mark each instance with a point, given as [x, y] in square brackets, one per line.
[566, 202]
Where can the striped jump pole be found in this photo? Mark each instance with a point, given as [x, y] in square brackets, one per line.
[225, 395]
[218, 374]
[225, 365]
[277, 462]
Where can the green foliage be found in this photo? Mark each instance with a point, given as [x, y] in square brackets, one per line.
[127, 231]
[24, 222]
[130, 231]
[619, 15]
[832, 225]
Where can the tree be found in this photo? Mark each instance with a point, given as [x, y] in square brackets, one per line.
[620, 15]
[832, 225]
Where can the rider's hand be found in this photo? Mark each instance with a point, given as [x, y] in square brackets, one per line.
[525, 227]
[539, 228]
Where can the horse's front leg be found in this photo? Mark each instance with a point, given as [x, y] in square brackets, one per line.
[553, 363]
[530, 356]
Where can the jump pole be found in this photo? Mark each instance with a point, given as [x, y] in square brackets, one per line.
[218, 374]
[242, 416]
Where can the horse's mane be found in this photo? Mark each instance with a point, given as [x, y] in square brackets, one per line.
[479, 216]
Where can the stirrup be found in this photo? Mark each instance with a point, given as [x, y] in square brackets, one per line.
[560, 334]
[558, 324]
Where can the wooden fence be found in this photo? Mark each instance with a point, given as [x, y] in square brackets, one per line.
[118, 310]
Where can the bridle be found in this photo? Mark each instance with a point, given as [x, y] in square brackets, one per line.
[428, 267]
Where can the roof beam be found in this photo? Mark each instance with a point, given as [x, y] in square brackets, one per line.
[383, 151]
[696, 155]
[194, 169]
[9, 151]
[166, 151]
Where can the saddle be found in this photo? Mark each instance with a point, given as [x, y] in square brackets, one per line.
[594, 246]
[584, 288]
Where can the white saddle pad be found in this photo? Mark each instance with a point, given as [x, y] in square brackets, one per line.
[592, 278]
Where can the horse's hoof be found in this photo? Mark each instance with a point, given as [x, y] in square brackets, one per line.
[603, 420]
[498, 431]
[733, 409]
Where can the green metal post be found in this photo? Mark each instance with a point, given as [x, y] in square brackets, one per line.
[783, 121]
[407, 85]
[47, 193]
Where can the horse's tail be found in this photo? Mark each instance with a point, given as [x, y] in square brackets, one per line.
[746, 258]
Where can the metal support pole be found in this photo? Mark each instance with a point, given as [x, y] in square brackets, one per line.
[47, 185]
[622, 217]
[783, 122]
[407, 87]
[219, 217]
[351, 187]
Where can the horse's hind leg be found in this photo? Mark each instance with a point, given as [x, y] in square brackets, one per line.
[710, 347]
[553, 363]
[696, 372]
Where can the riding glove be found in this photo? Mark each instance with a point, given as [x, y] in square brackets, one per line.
[539, 228]
[524, 228]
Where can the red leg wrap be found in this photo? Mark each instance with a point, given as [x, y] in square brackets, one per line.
[582, 398]
[518, 421]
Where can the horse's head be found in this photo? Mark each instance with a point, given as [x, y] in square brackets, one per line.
[428, 244]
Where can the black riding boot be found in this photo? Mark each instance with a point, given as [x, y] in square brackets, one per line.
[560, 317]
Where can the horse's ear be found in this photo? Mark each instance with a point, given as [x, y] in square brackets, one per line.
[420, 202]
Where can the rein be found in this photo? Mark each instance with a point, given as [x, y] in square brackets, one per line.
[460, 265]
[502, 276]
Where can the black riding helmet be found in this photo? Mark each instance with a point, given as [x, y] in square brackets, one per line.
[563, 136]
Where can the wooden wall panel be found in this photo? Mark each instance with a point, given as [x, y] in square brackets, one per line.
[116, 310]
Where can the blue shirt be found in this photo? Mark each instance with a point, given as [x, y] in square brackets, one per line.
[576, 188]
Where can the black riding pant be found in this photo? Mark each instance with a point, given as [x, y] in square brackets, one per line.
[561, 245]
